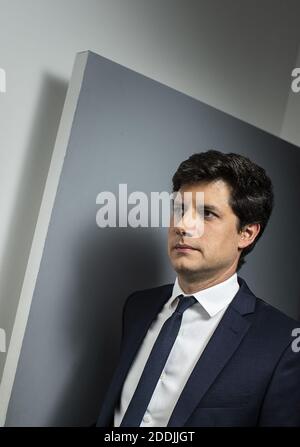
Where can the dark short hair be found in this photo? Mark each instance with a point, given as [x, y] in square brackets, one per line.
[251, 198]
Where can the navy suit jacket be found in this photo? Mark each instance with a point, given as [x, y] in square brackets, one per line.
[248, 374]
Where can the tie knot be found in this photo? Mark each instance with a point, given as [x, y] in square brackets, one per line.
[184, 303]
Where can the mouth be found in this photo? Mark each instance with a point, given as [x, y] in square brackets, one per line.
[184, 248]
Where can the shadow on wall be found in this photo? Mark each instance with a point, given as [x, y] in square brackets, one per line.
[132, 262]
[39, 151]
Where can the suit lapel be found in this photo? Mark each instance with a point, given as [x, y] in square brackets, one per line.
[223, 343]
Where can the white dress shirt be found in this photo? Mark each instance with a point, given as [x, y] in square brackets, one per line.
[197, 326]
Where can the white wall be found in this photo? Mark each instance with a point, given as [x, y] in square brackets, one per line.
[235, 55]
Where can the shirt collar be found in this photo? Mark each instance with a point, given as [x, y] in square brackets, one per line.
[214, 298]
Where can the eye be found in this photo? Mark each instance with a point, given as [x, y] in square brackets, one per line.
[209, 214]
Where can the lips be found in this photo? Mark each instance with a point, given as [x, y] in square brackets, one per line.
[184, 246]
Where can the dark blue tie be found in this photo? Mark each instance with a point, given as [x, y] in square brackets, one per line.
[155, 364]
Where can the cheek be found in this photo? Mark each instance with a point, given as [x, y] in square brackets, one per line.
[229, 240]
[219, 236]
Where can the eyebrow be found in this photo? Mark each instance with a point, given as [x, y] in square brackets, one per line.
[212, 208]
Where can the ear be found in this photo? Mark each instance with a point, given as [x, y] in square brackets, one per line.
[248, 234]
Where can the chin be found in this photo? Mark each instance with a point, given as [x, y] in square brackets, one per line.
[184, 267]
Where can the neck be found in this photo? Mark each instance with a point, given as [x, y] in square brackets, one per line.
[192, 285]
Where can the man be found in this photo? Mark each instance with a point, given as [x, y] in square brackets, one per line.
[205, 351]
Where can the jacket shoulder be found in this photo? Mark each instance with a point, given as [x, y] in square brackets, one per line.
[273, 325]
[265, 311]
[153, 290]
[142, 295]
[275, 315]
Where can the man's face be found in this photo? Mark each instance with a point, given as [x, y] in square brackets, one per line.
[216, 249]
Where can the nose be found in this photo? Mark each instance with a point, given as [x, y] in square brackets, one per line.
[182, 232]
[188, 225]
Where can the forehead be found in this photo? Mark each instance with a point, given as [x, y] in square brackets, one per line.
[216, 192]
